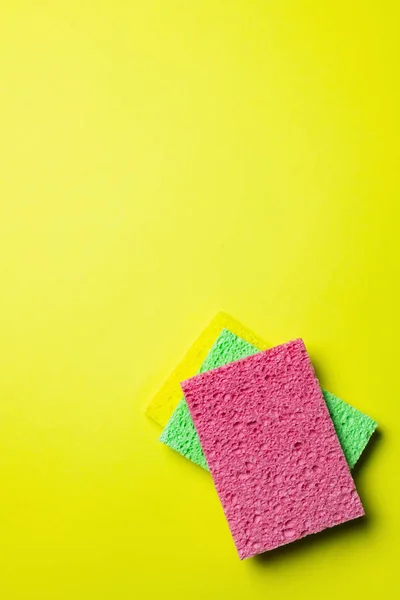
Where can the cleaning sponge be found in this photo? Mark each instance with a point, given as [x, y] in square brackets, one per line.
[353, 428]
[300, 482]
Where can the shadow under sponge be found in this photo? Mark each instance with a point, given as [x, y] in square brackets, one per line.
[271, 448]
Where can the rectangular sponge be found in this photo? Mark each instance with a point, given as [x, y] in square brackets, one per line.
[353, 428]
[271, 447]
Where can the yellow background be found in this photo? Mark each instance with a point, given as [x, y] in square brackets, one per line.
[161, 161]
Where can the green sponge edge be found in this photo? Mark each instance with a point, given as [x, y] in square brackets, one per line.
[354, 429]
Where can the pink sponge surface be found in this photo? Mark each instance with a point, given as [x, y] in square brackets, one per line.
[271, 448]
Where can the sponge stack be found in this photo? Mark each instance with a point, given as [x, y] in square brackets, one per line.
[272, 450]
[279, 449]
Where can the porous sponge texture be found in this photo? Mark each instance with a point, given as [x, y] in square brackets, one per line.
[271, 447]
[166, 399]
[353, 428]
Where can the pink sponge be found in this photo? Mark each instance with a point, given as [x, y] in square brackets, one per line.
[271, 448]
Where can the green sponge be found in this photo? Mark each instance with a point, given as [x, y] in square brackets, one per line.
[353, 428]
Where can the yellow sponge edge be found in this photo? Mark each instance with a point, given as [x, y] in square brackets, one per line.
[166, 399]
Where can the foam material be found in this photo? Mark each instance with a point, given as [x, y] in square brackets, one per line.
[165, 401]
[271, 447]
[353, 428]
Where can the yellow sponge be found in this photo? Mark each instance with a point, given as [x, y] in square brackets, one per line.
[165, 401]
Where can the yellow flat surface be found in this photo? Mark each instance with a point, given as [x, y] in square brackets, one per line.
[161, 161]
